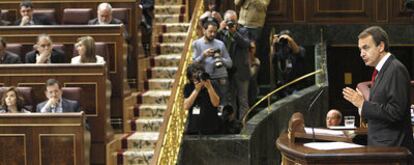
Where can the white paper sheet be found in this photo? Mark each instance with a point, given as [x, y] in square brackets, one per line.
[320, 131]
[331, 145]
[341, 127]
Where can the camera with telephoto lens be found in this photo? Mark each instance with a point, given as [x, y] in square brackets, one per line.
[202, 76]
[218, 62]
[230, 23]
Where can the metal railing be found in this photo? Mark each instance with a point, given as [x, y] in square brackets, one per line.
[171, 132]
[268, 96]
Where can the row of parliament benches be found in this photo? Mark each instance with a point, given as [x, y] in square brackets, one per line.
[127, 11]
[94, 100]
[110, 35]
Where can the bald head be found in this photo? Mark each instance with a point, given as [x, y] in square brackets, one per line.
[333, 118]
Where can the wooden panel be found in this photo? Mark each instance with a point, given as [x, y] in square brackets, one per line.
[90, 77]
[335, 11]
[54, 138]
[382, 10]
[57, 149]
[355, 11]
[279, 11]
[13, 149]
[398, 13]
[299, 11]
[297, 153]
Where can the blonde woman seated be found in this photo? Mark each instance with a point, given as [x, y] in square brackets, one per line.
[86, 49]
[12, 102]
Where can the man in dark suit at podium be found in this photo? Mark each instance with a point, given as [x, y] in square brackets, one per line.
[388, 108]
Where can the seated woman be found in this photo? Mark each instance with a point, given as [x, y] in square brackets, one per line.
[12, 102]
[86, 49]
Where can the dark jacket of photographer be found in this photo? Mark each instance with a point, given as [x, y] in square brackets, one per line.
[206, 120]
[237, 45]
[288, 66]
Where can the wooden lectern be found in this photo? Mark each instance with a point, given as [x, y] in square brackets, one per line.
[291, 146]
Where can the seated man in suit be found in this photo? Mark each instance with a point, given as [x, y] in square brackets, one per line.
[55, 102]
[333, 118]
[104, 16]
[27, 18]
[7, 57]
[44, 53]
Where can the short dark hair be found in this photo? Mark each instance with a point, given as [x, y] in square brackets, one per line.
[209, 21]
[192, 69]
[3, 42]
[378, 35]
[27, 4]
[51, 82]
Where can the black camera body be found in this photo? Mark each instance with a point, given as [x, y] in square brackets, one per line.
[230, 23]
[218, 62]
[283, 42]
[203, 76]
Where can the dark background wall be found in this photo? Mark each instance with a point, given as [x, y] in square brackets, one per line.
[338, 22]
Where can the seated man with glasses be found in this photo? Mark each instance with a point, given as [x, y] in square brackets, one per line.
[44, 53]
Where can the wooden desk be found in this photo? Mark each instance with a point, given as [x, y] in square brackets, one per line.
[296, 153]
[111, 34]
[90, 77]
[42, 138]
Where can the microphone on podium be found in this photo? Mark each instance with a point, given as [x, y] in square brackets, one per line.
[314, 99]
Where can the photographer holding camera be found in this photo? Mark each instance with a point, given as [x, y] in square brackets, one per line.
[213, 56]
[237, 42]
[288, 62]
[202, 101]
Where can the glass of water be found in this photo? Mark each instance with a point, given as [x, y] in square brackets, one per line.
[349, 121]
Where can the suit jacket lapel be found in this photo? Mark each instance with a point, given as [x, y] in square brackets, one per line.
[380, 75]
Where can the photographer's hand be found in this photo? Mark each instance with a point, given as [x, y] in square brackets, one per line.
[198, 86]
[223, 25]
[275, 39]
[208, 85]
[208, 52]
